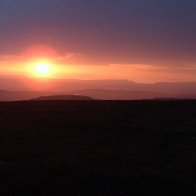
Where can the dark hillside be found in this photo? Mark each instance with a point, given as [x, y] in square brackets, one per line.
[98, 148]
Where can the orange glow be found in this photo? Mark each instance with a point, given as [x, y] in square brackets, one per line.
[39, 51]
[41, 69]
[43, 63]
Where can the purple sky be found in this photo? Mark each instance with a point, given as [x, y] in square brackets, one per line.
[125, 32]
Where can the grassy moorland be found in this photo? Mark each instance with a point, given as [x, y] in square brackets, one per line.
[90, 148]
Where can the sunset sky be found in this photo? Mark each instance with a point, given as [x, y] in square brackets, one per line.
[140, 40]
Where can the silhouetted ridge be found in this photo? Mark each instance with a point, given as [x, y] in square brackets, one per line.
[64, 97]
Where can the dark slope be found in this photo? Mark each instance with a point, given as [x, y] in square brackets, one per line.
[98, 148]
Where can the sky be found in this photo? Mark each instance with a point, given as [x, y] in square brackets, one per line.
[140, 40]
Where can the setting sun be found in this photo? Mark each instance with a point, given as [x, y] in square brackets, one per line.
[43, 69]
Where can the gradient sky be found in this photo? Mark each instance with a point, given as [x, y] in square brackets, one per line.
[141, 40]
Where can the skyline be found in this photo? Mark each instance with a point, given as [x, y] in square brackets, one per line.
[141, 41]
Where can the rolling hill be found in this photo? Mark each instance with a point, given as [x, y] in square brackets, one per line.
[17, 89]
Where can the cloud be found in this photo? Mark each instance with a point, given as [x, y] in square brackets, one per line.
[69, 58]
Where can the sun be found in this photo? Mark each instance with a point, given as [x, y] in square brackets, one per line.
[43, 69]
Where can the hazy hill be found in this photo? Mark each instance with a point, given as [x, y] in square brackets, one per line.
[120, 94]
[126, 85]
[64, 85]
[80, 95]
[63, 97]
[20, 95]
[26, 88]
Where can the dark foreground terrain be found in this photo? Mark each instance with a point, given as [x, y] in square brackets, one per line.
[90, 148]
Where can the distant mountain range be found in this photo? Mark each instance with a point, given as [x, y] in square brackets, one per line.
[25, 88]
